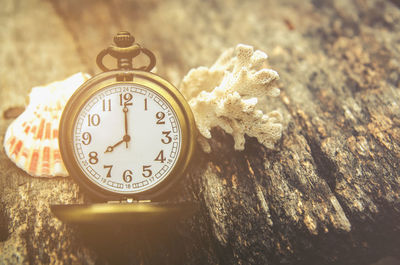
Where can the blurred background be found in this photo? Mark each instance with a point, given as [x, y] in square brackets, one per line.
[43, 41]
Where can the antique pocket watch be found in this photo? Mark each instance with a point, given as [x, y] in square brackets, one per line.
[126, 136]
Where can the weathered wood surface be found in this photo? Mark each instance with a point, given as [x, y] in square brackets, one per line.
[328, 194]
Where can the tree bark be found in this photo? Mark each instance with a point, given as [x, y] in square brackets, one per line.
[328, 194]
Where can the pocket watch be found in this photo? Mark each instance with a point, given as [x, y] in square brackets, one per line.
[126, 135]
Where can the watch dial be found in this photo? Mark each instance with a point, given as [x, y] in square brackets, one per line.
[127, 138]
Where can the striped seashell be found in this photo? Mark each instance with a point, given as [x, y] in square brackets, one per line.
[31, 140]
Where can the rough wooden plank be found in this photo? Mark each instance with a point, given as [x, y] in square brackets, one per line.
[329, 193]
[35, 48]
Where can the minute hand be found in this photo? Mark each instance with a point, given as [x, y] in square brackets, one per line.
[125, 110]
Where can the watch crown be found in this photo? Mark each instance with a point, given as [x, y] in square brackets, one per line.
[124, 39]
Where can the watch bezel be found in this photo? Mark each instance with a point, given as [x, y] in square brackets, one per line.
[158, 85]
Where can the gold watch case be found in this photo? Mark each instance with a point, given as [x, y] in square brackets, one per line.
[159, 86]
[124, 213]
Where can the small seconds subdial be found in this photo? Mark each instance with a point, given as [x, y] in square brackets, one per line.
[127, 138]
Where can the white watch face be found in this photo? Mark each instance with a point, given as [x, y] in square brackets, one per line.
[127, 138]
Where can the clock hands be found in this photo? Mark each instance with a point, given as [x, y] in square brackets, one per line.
[111, 147]
[126, 137]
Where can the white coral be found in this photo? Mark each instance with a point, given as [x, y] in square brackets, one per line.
[227, 93]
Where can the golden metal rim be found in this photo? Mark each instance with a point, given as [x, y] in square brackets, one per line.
[123, 213]
[153, 82]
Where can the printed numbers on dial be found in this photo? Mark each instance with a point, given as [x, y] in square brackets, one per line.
[127, 138]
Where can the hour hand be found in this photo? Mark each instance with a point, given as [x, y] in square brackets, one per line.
[110, 148]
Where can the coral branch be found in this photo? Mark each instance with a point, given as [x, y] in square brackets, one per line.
[227, 93]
